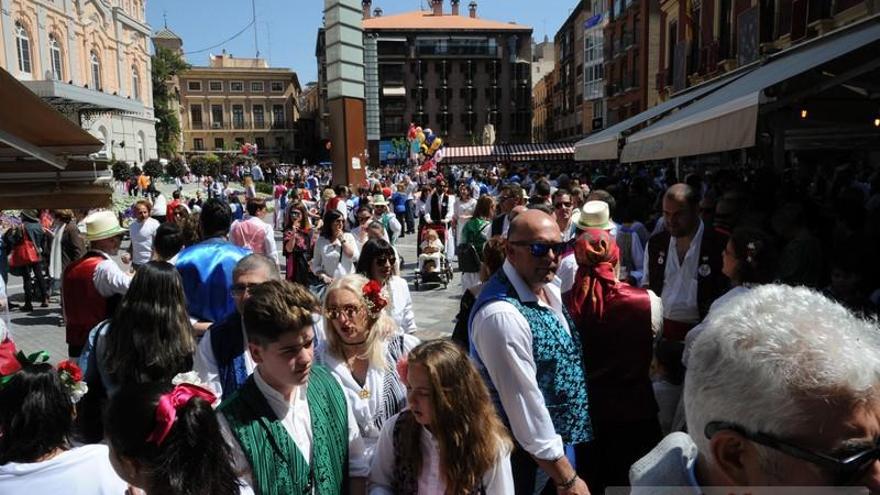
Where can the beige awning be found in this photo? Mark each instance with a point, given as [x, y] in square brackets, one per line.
[727, 119]
[44, 156]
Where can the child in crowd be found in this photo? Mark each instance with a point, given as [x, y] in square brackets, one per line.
[429, 260]
[36, 429]
[166, 439]
[450, 439]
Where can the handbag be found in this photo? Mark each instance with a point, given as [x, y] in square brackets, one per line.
[468, 258]
[25, 253]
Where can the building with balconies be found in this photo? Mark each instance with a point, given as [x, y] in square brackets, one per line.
[235, 100]
[632, 45]
[572, 116]
[450, 71]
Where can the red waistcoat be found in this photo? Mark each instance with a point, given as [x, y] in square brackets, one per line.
[84, 307]
[617, 356]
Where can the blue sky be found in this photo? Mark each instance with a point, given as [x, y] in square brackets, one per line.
[287, 28]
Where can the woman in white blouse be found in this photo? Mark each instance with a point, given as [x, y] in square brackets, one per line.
[377, 262]
[450, 439]
[362, 350]
[464, 210]
[336, 251]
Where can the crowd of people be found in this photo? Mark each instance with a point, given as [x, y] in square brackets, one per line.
[618, 328]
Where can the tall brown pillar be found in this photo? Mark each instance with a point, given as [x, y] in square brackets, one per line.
[348, 140]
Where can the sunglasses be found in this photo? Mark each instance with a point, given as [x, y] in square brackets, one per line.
[349, 310]
[391, 260]
[540, 249]
[242, 288]
[846, 469]
[564, 204]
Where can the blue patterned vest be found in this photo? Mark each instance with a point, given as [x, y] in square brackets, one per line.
[558, 360]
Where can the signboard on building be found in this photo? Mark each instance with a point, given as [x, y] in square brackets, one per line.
[747, 33]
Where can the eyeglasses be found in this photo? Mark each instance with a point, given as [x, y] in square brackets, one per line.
[349, 310]
[564, 204]
[540, 249]
[845, 470]
[242, 288]
[391, 260]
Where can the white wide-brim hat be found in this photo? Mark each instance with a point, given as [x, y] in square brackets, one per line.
[379, 200]
[594, 215]
[102, 225]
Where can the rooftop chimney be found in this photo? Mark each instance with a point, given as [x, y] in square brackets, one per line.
[437, 6]
[472, 7]
[455, 6]
[366, 4]
[377, 12]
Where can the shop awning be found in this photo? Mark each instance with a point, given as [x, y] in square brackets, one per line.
[44, 156]
[531, 152]
[727, 119]
[603, 145]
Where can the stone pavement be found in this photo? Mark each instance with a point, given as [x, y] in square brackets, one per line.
[435, 309]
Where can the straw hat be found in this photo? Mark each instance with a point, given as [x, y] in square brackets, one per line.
[594, 215]
[379, 200]
[102, 225]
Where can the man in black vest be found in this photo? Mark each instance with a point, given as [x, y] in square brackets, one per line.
[683, 265]
[510, 196]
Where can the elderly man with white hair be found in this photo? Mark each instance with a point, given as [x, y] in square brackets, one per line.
[782, 389]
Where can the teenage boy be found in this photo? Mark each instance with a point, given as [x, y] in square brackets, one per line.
[289, 426]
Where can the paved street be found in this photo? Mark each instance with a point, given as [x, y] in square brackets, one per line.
[435, 309]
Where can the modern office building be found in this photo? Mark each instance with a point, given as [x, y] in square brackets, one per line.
[91, 61]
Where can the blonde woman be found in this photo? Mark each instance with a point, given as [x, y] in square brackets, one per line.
[361, 350]
[450, 439]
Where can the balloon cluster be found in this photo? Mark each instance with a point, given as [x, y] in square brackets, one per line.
[249, 149]
[424, 143]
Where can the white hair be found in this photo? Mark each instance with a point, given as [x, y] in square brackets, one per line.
[768, 356]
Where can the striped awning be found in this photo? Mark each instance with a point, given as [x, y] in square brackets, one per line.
[531, 152]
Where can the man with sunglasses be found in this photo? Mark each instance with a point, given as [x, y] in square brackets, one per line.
[510, 197]
[526, 348]
[562, 211]
[782, 389]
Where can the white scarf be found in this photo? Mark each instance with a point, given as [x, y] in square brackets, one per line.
[55, 253]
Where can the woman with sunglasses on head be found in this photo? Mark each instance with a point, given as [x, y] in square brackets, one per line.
[473, 236]
[298, 244]
[37, 452]
[361, 351]
[378, 262]
[450, 439]
[165, 439]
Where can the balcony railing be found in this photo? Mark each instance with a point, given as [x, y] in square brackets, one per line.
[197, 125]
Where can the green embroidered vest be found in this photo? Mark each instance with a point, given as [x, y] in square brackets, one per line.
[277, 464]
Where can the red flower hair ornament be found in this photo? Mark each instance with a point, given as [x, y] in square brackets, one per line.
[376, 302]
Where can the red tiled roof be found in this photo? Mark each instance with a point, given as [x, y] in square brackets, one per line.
[446, 22]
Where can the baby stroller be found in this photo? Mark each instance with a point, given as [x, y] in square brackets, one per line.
[440, 274]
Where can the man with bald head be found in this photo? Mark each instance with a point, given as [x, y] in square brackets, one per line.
[683, 265]
[524, 344]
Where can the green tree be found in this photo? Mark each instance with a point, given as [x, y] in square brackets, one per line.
[175, 168]
[198, 165]
[121, 170]
[154, 168]
[166, 64]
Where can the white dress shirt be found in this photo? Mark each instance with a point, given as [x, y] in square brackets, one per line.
[109, 279]
[498, 480]
[503, 339]
[401, 308]
[297, 422]
[142, 234]
[364, 409]
[328, 257]
[680, 280]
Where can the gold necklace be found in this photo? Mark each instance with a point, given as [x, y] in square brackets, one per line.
[365, 392]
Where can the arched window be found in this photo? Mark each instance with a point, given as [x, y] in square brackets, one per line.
[135, 83]
[23, 45]
[55, 54]
[96, 71]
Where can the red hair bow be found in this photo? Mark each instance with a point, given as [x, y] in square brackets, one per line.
[169, 403]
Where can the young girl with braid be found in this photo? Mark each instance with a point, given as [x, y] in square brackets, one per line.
[450, 439]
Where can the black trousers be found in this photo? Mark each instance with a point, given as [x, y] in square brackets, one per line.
[616, 445]
[34, 283]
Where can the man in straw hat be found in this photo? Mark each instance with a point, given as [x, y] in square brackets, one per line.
[92, 286]
[389, 222]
